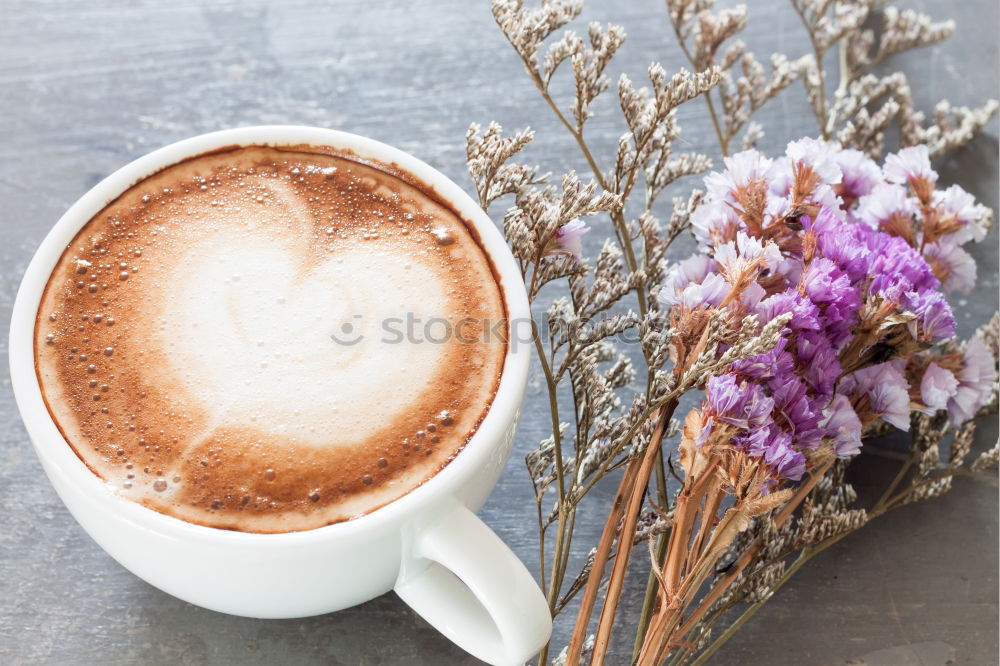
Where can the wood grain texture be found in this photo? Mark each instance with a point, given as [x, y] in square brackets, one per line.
[86, 87]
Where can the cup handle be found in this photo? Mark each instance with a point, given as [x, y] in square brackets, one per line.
[460, 577]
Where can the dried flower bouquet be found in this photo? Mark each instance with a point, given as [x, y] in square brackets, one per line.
[812, 316]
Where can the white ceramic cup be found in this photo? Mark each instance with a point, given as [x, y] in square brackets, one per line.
[428, 545]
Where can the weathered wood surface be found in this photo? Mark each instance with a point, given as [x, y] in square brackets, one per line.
[86, 87]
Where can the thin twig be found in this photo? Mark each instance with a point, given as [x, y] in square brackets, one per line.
[649, 598]
[600, 560]
[821, 112]
[603, 636]
[719, 132]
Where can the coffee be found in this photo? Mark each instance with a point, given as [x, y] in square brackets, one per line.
[270, 339]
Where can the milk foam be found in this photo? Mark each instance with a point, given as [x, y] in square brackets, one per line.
[259, 373]
[251, 333]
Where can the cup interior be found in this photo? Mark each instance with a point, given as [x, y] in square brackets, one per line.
[60, 459]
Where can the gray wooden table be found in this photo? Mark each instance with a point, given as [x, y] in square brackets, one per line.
[87, 86]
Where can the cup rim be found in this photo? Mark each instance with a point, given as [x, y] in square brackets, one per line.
[59, 457]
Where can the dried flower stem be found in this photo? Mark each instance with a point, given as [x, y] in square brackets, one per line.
[624, 238]
[801, 493]
[805, 556]
[562, 534]
[577, 135]
[649, 597]
[716, 123]
[621, 444]
[822, 116]
[626, 504]
[749, 554]
[557, 442]
[617, 580]
[604, 546]
[845, 79]
[900, 475]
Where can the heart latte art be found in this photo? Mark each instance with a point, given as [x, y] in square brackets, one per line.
[270, 340]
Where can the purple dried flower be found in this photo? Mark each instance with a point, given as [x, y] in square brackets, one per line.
[830, 288]
[844, 243]
[569, 237]
[798, 411]
[724, 394]
[934, 320]
[883, 202]
[805, 314]
[819, 155]
[955, 264]
[975, 382]
[766, 365]
[859, 174]
[820, 364]
[937, 387]
[891, 404]
[908, 165]
[752, 295]
[957, 201]
[743, 405]
[785, 460]
[746, 252]
[732, 402]
[857, 251]
[887, 391]
[898, 268]
[843, 427]
[775, 447]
